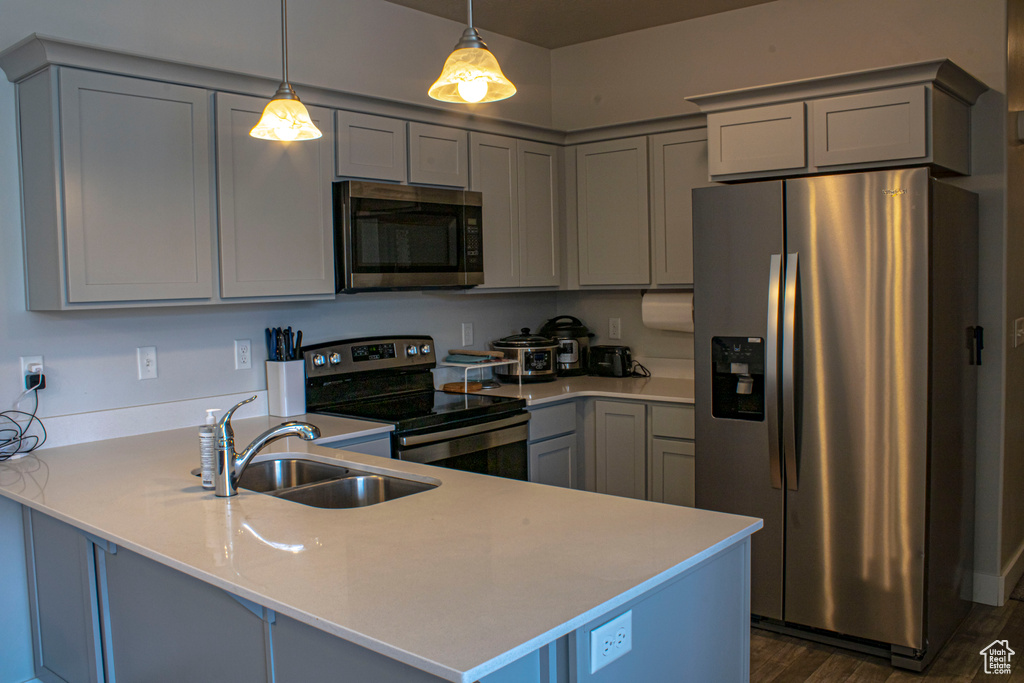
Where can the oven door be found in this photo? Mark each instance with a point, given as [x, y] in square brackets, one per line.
[497, 447]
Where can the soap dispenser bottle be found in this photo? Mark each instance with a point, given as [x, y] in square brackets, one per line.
[208, 448]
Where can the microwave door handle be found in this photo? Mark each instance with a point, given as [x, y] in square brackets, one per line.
[789, 373]
[771, 387]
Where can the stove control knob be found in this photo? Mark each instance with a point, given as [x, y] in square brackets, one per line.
[335, 358]
[412, 350]
[425, 349]
[319, 360]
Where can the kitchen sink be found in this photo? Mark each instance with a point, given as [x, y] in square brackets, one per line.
[321, 485]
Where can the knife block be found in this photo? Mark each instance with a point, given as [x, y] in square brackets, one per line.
[286, 387]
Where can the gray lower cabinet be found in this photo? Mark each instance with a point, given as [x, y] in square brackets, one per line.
[520, 182]
[621, 448]
[63, 603]
[613, 230]
[371, 147]
[116, 190]
[438, 155]
[670, 454]
[553, 447]
[275, 206]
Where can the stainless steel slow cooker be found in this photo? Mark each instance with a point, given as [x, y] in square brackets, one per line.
[573, 339]
[536, 356]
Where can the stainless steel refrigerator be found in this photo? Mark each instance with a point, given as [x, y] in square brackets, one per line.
[835, 372]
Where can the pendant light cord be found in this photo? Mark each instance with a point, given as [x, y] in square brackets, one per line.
[284, 40]
[471, 13]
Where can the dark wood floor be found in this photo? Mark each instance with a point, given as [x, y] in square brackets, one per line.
[783, 659]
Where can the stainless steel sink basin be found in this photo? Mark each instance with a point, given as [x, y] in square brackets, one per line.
[273, 475]
[321, 485]
[359, 490]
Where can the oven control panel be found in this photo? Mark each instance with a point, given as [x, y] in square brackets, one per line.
[350, 356]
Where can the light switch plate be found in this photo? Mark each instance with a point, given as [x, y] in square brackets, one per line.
[146, 357]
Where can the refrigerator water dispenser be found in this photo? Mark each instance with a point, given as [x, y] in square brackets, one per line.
[737, 378]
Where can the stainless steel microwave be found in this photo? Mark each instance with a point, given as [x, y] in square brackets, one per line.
[405, 237]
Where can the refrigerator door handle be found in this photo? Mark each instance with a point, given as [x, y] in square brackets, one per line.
[771, 379]
[789, 374]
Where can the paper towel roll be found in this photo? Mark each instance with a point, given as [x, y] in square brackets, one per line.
[667, 311]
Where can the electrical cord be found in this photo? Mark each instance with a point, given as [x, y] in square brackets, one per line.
[638, 370]
[15, 439]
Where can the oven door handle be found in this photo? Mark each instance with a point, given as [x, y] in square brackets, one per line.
[449, 434]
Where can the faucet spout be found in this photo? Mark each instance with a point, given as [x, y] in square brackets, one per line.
[230, 465]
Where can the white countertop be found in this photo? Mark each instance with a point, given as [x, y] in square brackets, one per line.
[497, 567]
[670, 390]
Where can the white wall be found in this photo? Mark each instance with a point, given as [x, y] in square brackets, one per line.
[648, 74]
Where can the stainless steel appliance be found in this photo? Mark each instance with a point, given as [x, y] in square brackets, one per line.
[834, 338]
[388, 379]
[406, 237]
[535, 353]
[611, 361]
[573, 339]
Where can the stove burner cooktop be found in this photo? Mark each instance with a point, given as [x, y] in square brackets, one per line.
[426, 409]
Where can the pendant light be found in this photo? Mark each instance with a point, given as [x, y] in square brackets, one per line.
[285, 117]
[471, 73]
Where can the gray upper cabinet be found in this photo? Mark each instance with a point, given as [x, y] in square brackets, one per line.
[519, 180]
[756, 139]
[275, 211]
[678, 164]
[116, 190]
[914, 114]
[438, 155]
[613, 231]
[371, 147]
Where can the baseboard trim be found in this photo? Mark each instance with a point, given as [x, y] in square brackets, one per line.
[990, 589]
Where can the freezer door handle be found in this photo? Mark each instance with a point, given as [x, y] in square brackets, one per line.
[771, 372]
[789, 374]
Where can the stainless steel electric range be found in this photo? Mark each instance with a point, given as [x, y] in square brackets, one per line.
[388, 379]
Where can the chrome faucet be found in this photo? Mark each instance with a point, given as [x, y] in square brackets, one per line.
[230, 465]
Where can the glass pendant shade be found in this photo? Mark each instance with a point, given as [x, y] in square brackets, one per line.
[285, 119]
[471, 73]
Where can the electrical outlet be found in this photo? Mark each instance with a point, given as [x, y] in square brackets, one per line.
[243, 354]
[611, 640]
[31, 365]
[615, 328]
[467, 334]
[146, 356]
[1018, 332]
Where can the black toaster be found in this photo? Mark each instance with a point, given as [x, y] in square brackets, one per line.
[610, 361]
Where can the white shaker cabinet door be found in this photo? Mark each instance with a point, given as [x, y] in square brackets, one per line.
[136, 172]
[621, 448]
[553, 461]
[371, 146]
[275, 210]
[438, 155]
[612, 213]
[495, 175]
[540, 187]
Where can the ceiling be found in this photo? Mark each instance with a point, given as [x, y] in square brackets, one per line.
[557, 23]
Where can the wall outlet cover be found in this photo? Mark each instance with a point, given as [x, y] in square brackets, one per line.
[611, 640]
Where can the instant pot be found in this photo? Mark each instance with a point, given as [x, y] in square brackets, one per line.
[573, 340]
[535, 353]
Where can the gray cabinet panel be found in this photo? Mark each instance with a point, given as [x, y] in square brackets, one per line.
[671, 466]
[495, 174]
[438, 155]
[871, 126]
[168, 626]
[613, 231]
[678, 164]
[370, 146]
[673, 421]
[136, 158]
[621, 448]
[553, 461]
[756, 139]
[540, 188]
[63, 600]
[549, 421]
[276, 217]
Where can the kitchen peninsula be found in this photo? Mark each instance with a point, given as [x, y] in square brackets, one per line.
[480, 578]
